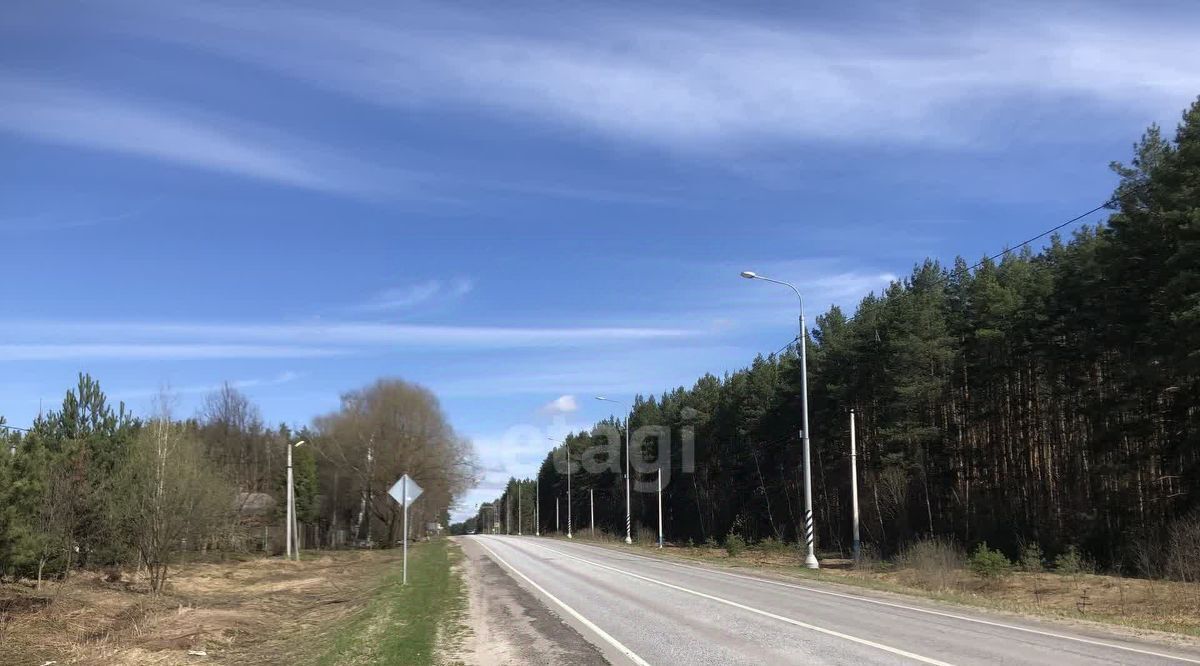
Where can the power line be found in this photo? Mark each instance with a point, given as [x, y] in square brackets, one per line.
[946, 275]
[1042, 235]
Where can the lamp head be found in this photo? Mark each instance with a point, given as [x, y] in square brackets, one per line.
[299, 443]
[749, 275]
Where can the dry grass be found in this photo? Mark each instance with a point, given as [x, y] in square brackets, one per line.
[256, 611]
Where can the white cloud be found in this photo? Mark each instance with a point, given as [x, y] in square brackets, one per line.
[564, 404]
[86, 119]
[55, 340]
[515, 453]
[155, 352]
[687, 81]
[411, 296]
[277, 380]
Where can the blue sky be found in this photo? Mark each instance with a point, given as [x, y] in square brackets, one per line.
[522, 207]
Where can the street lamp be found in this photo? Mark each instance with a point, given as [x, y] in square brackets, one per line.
[12, 447]
[810, 560]
[568, 451]
[628, 519]
[291, 506]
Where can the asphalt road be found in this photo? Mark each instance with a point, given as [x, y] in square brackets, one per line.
[645, 610]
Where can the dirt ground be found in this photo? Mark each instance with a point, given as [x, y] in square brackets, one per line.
[259, 611]
[506, 625]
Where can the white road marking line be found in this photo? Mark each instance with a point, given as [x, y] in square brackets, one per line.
[1050, 634]
[803, 625]
[574, 613]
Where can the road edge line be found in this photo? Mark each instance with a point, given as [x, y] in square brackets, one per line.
[630, 654]
[890, 604]
[804, 625]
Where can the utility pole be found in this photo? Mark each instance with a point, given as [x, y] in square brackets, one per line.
[660, 523]
[854, 487]
[556, 528]
[293, 547]
[592, 512]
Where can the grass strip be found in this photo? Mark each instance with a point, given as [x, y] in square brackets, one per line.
[401, 624]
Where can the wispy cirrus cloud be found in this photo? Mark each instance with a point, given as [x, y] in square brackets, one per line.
[155, 352]
[142, 340]
[192, 389]
[410, 296]
[78, 117]
[692, 81]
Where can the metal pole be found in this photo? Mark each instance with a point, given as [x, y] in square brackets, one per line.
[290, 509]
[628, 506]
[568, 450]
[556, 523]
[592, 511]
[628, 519]
[810, 559]
[537, 506]
[404, 493]
[660, 523]
[854, 487]
[518, 508]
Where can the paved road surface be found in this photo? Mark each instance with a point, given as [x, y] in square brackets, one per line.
[648, 611]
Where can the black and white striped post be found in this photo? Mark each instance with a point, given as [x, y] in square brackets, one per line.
[810, 559]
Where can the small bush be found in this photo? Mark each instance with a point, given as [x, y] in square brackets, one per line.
[734, 545]
[772, 546]
[933, 561]
[989, 564]
[1032, 558]
[1183, 549]
[868, 558]
[710, 542]
[1072, 563]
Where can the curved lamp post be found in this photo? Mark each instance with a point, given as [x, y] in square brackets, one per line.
[628, 519]
[810, 560]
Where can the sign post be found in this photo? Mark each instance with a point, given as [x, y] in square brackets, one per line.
[405, 491]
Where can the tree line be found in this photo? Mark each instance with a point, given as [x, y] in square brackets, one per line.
[92, 485]
[1049, 397]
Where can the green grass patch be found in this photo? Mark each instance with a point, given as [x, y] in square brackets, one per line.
[403, 624]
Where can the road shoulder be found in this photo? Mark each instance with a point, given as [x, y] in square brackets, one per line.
[508, 625]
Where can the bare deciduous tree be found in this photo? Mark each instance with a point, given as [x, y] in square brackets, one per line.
[169, 494]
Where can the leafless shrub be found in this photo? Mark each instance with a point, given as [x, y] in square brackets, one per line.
[1183, 549]
[868, 559]
[934, 562]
